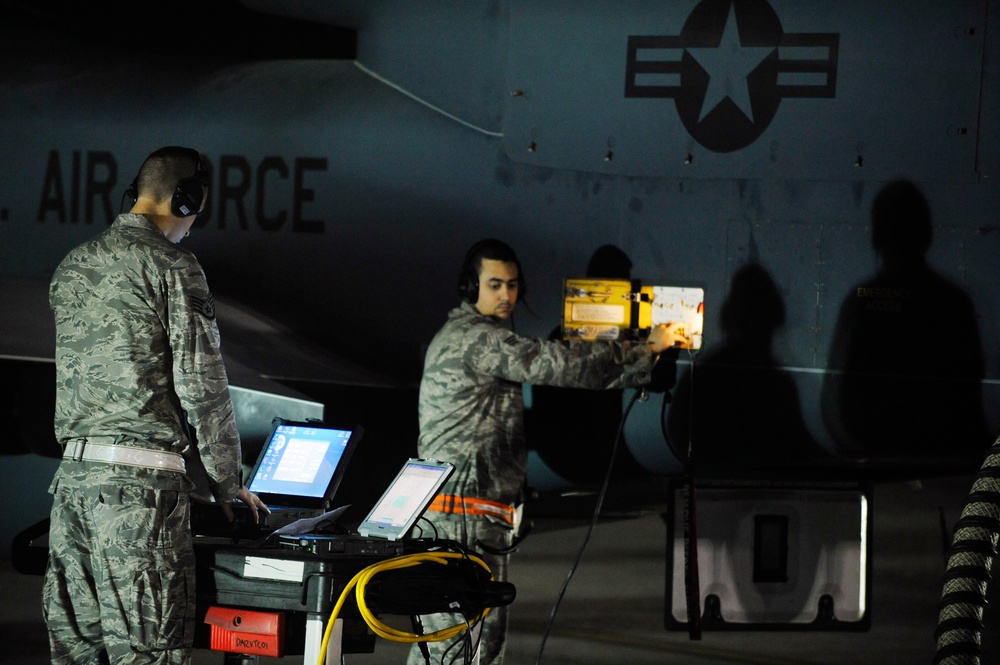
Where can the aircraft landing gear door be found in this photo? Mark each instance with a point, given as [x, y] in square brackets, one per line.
[772, 556]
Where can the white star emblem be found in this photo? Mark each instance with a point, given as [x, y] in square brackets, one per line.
[728, 66]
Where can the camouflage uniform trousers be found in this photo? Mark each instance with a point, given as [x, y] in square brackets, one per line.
[119, 587]
[468, 530]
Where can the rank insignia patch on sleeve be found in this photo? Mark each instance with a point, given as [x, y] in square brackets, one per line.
[205, 307]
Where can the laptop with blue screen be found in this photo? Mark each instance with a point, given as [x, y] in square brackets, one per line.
[300, 468]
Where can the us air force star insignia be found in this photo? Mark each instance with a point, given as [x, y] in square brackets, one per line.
[205, 307]
[729, 69]
[729, 65]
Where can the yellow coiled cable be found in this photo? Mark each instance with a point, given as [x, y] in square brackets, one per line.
[361, 579]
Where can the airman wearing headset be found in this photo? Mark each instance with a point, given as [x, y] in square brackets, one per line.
[471, 414]
[137, 355]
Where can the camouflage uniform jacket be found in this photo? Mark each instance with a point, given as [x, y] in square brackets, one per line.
[471, 405]
[137, 344]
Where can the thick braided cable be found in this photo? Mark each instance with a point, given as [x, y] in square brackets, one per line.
[967, 573]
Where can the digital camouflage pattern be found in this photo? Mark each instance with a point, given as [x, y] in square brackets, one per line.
[135, 333]
[471, 413]
[137, 345]
[471, 407]
[138, 559]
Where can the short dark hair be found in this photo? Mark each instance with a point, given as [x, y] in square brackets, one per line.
[164, 169]
[492, 249]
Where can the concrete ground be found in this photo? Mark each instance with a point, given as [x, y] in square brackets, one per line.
[613, 611]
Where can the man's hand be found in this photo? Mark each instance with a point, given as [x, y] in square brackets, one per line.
[249, 498]
[667, 336]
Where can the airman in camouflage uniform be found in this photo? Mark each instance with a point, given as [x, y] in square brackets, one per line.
[137, 351]
[471, 414]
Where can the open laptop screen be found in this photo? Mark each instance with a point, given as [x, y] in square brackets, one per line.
[406, 498]
[302, 464]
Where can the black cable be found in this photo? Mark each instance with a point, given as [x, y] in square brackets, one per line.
[418, 629]
[684, 457]
[590, 529]
[666, 434]
[432, 525]
[463, 644]
[692, 591]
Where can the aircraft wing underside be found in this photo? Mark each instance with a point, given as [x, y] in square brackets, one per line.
[262, 359]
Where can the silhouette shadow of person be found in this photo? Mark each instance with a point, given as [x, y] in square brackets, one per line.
[736, 409]
[573, 430]
[906, 360]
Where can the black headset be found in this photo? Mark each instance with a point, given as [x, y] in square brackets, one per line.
[190, 191]
[189, 194]
[491, 248]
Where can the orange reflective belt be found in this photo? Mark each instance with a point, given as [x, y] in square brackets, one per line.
[457, 505]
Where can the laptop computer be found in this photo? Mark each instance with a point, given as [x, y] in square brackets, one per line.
[406, 499]
[389, 521]
[299, 469]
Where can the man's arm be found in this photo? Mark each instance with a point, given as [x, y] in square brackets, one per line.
[200, 376]
[570, 364]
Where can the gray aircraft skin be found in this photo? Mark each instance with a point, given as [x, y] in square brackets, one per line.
[736, 146]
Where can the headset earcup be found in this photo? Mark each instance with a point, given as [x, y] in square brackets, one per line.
[468, 286]
[187, 197]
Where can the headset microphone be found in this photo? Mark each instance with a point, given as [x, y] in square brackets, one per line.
[132, 192]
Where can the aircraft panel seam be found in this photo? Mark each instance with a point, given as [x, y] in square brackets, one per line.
[400, 89]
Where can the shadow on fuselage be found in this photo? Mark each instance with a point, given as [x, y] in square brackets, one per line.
[906, 361]
[735, 408]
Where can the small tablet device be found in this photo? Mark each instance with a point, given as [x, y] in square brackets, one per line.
[406, 498]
